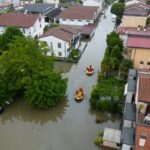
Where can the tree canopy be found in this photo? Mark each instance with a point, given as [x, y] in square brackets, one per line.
[8, 37]
[118, 9]
[25, 67]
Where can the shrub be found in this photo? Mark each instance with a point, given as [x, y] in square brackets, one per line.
[75, 53]
[98, 141]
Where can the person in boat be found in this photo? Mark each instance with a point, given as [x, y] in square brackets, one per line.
[81, 90]
[91, 68]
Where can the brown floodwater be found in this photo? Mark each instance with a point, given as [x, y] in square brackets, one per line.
[70, 125]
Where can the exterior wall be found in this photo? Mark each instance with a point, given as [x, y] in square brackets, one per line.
[51, 1]
[136, 54]
[53, 44]
[38, 27]
[110, 144]
[142, 130]
[133, 21]
[124, 37]
[15, 2]
[75, 22]
[93, 3]
[35, 30]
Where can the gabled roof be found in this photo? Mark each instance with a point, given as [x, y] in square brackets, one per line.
[18, 19]
[133, 31]
[138, 42]
[144, 87]
[78, 12]
[63, 32]
[137, 9]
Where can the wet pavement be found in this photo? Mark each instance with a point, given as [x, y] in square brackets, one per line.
[70, 125]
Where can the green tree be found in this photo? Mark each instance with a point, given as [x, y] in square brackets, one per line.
[8, 37]
[45, 90]
[118, 9]
[113, 39]
[26, 63]
[124, 67]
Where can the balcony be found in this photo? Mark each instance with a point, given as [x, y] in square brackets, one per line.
[143, 116]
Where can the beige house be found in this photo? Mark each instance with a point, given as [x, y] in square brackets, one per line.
[135, 15]
[139, 51]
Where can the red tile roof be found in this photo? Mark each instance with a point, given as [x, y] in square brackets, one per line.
[18, 19]
[144, 87]
[78, 12]
[139, 131]
[136, 9]
[63, 32]
[138, 42]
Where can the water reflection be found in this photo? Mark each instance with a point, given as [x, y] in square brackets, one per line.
[63, 67]
[21, 111]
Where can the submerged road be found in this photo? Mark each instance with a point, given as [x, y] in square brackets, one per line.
[70, 125]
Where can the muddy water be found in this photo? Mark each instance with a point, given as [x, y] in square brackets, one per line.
[70, 125]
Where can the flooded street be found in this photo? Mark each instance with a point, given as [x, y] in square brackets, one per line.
[70, 125]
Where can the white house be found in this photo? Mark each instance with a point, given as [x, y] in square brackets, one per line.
[98, 3]
[61, 40]
[79, 15]
[30, 24]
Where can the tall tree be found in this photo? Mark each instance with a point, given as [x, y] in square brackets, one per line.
[29, 67]
[118, 9]
[8, 37]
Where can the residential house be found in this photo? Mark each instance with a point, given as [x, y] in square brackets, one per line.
[136, 42]
[142, 101]
[4, 7]
[135, 15]
[30, 24]
[48, 11]
[61, 40]
[79, 15]
[130, 2]
[136, 132]
[139, 47]
[98, 3]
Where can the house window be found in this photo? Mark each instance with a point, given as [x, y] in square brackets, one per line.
[87, 20]
[148, 63]
[141, 62]
[64, 19]
[59, 53]
[59, 45]
[142, 139]
[71, 19]
[79, 20]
